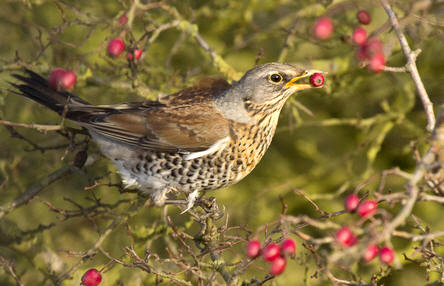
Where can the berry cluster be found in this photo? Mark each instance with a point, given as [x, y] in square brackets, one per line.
[369, 50]
[92, 277]
[116, 46]
[273, 253]
[61, 79]
[346, 238]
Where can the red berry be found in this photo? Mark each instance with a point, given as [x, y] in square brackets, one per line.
[363, 17]
[367, 208]
[253, 248]
[323, 28]
[91, 277]
[386, 255]
[67, 79]
[137, 53]
[271, 252]
[361, 53]
[54, 77]
[373, 46]
[288, 247]
[377, 62]
[278, 265]
[345, 237]
[123, 19]
[317, 79]
[351, 202]
[371, 252]
[115, 48]
[61, 79]
[359, 36]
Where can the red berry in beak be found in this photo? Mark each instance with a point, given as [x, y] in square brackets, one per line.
[317, 79]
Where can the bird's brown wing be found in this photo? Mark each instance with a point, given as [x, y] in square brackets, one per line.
[183, 122]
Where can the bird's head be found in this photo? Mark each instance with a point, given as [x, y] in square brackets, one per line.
[274, 82]
[264, 88]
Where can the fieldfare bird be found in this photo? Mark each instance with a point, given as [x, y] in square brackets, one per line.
[201, 138]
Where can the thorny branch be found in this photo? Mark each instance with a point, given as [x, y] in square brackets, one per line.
[201, 255]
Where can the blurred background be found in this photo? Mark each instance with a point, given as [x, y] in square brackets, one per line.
[329, 141]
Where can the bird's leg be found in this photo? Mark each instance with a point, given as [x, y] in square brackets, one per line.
[159, 197]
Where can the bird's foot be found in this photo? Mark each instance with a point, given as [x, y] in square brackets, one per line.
[211, 207]
[191, 199]
[159, 198]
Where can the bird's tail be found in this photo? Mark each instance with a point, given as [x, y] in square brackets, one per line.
[35, 87]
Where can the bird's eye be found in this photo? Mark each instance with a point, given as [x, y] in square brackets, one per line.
[276, 78]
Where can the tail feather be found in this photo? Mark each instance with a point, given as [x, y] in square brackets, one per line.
[36, 88]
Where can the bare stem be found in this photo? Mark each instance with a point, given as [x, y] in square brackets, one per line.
[411, 66]
[39, 127]
[35, 189]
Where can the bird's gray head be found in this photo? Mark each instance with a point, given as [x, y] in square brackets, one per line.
[267, 84]
[273, 82]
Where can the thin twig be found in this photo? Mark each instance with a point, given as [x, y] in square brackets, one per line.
[35, 189]
[413, 191]
[411, 66]
[416, 237]
[39, 127]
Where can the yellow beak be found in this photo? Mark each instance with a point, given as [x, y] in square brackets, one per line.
[300, 86]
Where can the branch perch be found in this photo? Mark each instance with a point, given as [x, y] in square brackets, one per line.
[411, 65]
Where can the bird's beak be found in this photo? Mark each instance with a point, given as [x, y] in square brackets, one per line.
[296, 81]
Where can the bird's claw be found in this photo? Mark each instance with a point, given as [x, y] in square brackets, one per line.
[191, 199]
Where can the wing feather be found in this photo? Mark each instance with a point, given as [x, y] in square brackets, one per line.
[183, 122]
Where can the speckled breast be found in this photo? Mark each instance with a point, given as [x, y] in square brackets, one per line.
[226, 166]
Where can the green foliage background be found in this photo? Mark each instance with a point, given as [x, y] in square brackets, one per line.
[362, 123]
